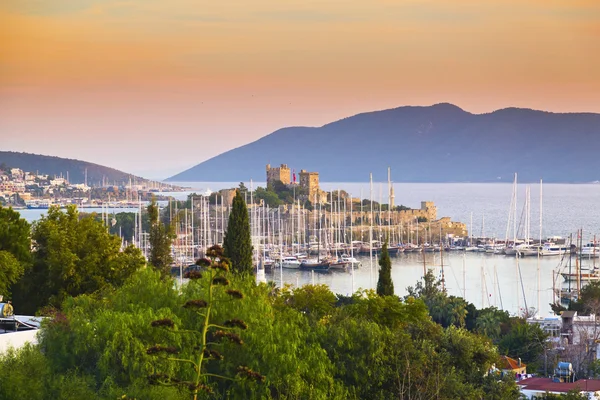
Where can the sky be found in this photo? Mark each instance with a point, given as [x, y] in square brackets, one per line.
[154, 87]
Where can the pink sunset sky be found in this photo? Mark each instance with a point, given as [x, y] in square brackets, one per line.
[154, 87]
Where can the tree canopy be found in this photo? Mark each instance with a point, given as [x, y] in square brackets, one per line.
[15, 245]
[72, 256]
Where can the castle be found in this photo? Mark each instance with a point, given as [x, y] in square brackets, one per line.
[308, 180]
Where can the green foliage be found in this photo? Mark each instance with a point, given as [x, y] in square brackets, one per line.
[445, 310]
[125, 225]
[208, 336]
[269, 197]
[307, 342]
[308, 205]
[316, 301]
[160, 239]
[385, 348]
[237, 242]
[489, 322]
[588, 301]
[108, 338]
[16, 371]
[570, 395]
[422, 219]
[26, 374]
[523, 340]
[500, 388]
[15, 246]
[385, 285]
[10, 272]
[71, 257]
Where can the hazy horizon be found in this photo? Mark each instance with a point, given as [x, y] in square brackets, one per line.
[127, 83]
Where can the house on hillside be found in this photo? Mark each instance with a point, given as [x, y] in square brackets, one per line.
[510, 366]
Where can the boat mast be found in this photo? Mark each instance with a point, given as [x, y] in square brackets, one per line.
[192, 212]
[464, 277]
[389, 200]
[515, 213]
[351, 245]
[538, 259]
[371, 232]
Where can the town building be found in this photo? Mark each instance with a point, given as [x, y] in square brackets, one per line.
[510, 366]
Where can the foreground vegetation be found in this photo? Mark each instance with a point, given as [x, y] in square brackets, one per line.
[119, 329]
[306, 342]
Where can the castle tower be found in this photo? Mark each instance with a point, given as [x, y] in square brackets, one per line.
[281, 173]
[430, 209]
[310, 181]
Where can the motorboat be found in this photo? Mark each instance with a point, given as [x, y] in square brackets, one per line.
[290, 262]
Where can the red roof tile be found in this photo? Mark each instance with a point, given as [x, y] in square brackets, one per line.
[510, 363]
[546, 384]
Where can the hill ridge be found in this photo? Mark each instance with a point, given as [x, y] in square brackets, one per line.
[437, 143]
[53, 165]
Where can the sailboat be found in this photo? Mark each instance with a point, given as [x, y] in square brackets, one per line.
[316, 264]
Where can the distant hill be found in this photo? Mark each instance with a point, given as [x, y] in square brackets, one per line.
[439, 143]
[56, 166]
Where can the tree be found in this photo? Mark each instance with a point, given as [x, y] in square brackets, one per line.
[524, 340]
[313, 300]
[15, 248]
[126, 224]
[160, 240]
[72, 256]
[237, 242]
[489, 322]
[269, 197]
[574, 394]
[385, 285]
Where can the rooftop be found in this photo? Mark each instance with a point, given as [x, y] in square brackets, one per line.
[546, 384]
[510, 363]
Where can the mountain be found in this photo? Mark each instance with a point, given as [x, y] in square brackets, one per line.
[439, 143]
[56, 166]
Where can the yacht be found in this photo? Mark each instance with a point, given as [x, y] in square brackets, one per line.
[350, 260]
[315, 264]
[552, 249]
[590, 250]
[290, 262]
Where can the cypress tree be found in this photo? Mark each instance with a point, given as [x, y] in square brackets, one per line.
[385, 286]
[160, 240]
[237, 243]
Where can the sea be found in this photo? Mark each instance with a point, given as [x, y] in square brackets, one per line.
[482, 279]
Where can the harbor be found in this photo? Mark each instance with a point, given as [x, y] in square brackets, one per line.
[338, 232]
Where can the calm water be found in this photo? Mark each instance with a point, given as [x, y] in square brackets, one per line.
[489, 279]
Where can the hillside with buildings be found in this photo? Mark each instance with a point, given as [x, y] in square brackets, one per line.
[20, 188]
[440, 143]
[75, 171]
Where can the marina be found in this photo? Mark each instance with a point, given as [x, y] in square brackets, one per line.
[491, 275]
